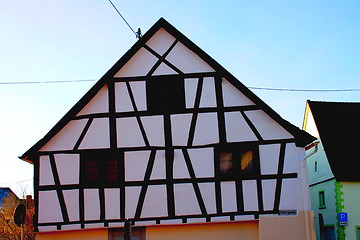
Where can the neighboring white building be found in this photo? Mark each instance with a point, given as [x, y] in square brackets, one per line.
[170, 139]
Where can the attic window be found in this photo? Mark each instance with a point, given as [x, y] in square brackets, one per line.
[165, 94]
[237, 161]
[99, 168]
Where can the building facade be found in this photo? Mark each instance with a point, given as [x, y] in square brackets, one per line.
[333, 178]
[172, 141]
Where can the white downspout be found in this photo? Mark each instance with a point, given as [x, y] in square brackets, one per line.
[306, 194]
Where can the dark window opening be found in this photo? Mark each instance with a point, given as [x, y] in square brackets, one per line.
[237, 161]
[100, 167]
[165, 94]
[322, 203]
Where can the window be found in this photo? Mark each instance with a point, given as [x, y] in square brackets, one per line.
[316, 166]
[234, 161]
[322, 199]
[165, 94]
[118, 234]
[100, 167]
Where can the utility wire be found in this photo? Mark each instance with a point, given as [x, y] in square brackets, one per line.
[254, 88]
[123, 18]
[305, 90]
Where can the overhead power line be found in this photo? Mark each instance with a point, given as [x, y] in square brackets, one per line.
[136, 34]
[305, 90]
[254, 88]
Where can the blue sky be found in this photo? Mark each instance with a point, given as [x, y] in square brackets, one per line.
[264, 43]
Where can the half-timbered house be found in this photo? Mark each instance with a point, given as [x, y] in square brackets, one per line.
[171, 140]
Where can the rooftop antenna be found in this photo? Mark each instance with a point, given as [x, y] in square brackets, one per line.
[138, 33]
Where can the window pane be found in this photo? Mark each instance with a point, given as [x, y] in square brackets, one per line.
[247, 163]
[92, 170]
[226, 162]
[112, 170]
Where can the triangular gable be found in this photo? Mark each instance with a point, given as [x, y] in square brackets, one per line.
[163, 50]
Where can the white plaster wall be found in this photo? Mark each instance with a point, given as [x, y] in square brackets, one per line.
[97, 135]
[161, 41]
[291, 195]
[186, 60]
[46, 176]
[228, 196]
[250, 195]
[131, 199]
[66, 138]
[154, 129]
[112, 203]
[268, 191]
[91, 204]
[202, 160]
[155, 202]
[180, 127]
[269, 158]
[185, 200]
[138, 90]
[232, 96]
[237, 130]
[190, 91]
[49, 203]
[71, 198]
[208, 95]
[98, 104]
[68, 167]
[267, 127]
[135, 165]
[128, 133]
[208, 194]
[122, 98]
[159, 170]
[163, 69]
[206, 130]
[139, 65]
[180, 168]
[292, 159]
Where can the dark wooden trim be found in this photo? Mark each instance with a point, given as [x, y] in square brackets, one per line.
[138, 119]
[161, 59]
[83, 133]
[112, 116]
[58, 190]
[145, 185]
[220, 109]
[169, 165]
[194, 183]
[195, 111]
[279, 180]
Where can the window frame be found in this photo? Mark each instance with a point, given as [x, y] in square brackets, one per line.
[101, 157]
[236, 149]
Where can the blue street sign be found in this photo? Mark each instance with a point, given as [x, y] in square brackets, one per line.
[343, 219]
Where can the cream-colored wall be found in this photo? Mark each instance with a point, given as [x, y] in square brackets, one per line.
[351, 196]
[88, 234]
[210, 231]
[300, 227]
